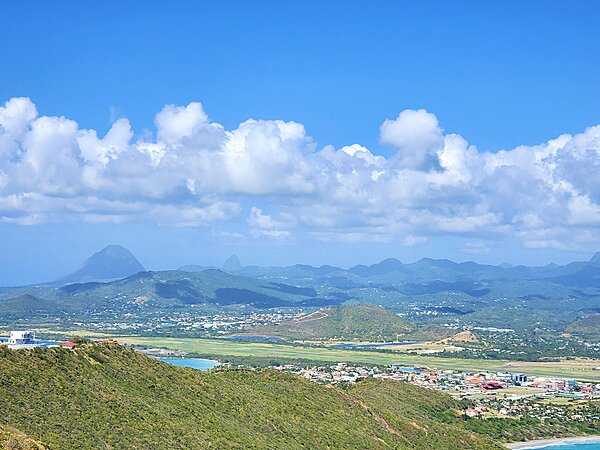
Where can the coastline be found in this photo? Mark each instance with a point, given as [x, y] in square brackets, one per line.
[555, 441]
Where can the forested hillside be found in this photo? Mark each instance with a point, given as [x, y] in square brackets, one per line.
[105, 396]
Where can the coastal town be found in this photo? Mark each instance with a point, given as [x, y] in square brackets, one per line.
[458, 383]
[490, 394]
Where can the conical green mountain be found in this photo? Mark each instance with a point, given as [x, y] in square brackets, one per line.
[364, 322]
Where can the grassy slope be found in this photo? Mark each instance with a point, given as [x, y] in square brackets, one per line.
[587, 326]
[411, 418]
[102, 396]
[364, 322]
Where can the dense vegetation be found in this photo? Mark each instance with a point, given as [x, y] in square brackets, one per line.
[104, 396]
[529, 428]
[588, 326]
[363, 322]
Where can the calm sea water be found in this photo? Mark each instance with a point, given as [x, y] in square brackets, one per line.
[194, 363]
[586, 446]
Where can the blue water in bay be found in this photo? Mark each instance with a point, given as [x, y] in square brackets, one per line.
[194, 363]
[582, 446]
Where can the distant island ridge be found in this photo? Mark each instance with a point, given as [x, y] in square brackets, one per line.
[117, 262]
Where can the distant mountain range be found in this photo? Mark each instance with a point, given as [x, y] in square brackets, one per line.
[114, 280]
[428, 269]
[231, 265]
[427, 275]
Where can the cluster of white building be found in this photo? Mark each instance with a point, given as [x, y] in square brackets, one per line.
[187, 322]
[24, 340]
[455, 382]
[338, 373]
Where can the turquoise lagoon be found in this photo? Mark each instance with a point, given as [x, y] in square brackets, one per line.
[193, 363]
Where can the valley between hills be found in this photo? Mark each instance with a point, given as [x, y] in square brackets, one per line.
[505, 354]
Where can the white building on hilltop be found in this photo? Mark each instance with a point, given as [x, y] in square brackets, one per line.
[21, 338]
[25, 340]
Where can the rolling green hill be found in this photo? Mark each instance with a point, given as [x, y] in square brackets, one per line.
[105, 396]
[588, 326]
[345, 322]
[25, 305]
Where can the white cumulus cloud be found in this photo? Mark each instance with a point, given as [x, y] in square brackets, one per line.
[196, 172]
[415, 134]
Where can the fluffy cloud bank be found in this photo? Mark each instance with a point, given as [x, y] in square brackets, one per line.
[196, 172]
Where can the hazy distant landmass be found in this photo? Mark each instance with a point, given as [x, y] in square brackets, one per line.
[112, 282]
[231, 264]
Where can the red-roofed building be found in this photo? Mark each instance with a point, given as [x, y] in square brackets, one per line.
[492, 385]
[68, 344]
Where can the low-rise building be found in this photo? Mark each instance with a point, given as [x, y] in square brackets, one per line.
[21, 338]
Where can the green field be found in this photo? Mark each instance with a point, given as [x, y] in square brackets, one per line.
[583, 370]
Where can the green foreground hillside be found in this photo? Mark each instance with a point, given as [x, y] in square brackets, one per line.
[105, 396]
[345, 322]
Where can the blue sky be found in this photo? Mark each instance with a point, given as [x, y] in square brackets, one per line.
[500, 76]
